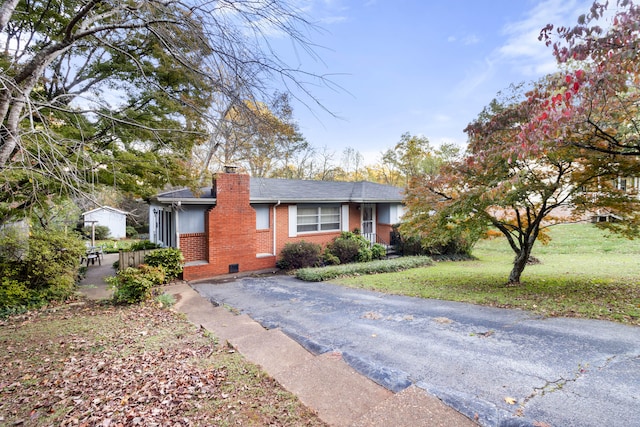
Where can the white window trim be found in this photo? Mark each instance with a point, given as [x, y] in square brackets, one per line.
[344, 218]
[293, 220]
[262, 213]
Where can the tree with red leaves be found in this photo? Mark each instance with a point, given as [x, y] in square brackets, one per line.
[518, 192]
[595, 105]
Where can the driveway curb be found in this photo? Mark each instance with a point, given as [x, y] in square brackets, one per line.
[326, 383]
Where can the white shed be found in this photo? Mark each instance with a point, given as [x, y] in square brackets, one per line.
[110, 217]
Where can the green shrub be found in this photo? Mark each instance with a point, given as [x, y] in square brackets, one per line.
[351, 247]
[346, 250]
[44, 264]
[358, 269]
[101, 232]
[154, 273]
[143, 245]
[445, 244]
[134, 285]
[13, 293]
[131, 232]
[169, 259]
[364, 253]
[378, 251]
[329, 258]
[53, 260]
[299, 255]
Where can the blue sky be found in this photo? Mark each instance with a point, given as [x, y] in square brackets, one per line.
[426, 67]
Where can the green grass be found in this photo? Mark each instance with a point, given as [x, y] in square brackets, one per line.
[583, 273]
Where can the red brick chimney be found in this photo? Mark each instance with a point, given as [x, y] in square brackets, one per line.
[231, 225]
[231, 189]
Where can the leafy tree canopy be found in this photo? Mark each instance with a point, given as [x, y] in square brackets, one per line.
[595, 104]
[119, 93]
[518, 193]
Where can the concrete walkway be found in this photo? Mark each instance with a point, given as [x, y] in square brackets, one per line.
[325, 383]
[93, 285]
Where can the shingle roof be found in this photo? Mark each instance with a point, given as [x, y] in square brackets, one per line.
[266, 190]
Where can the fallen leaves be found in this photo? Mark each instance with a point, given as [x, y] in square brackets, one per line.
[131, 366]
[510, 400]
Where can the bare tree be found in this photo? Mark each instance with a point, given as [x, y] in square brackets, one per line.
[352, 161]
[83, 85]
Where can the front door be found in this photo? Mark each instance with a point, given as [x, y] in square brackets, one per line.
[368, 225]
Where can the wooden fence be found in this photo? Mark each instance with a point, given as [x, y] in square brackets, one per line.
[132, 259]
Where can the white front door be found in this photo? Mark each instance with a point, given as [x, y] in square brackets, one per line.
[368, 221]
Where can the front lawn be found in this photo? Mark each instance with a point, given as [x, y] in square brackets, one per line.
[583, 273]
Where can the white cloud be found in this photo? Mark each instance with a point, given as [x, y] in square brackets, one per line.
[471, 39]
[522, 55]
[522, 49]
[476, 76]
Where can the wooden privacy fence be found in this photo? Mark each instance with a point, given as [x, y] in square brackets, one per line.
[132, 259]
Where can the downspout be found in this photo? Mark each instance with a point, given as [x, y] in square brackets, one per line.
[177, 227]
[274, 227]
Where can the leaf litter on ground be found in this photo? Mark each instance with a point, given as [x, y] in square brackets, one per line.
[93, 364]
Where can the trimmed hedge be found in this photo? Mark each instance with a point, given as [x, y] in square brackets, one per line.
[357, 269]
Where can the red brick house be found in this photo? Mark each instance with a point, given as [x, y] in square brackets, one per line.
[242, 223]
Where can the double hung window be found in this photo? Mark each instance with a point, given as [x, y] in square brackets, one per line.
[318, 218]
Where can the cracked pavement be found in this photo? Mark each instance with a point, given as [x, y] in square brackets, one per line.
[500, 367]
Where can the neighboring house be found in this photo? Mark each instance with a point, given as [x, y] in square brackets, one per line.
[114, 219]
[242, 223]
[628, 185]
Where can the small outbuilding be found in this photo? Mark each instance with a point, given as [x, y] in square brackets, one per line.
[114, 219]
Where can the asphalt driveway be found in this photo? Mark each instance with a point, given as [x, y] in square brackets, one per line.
[501, 367]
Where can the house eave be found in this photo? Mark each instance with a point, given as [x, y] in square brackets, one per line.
[186, 201]
[321, 200]
[267, 200]
[105, 208]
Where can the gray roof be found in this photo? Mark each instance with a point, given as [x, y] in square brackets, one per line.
[273, 190]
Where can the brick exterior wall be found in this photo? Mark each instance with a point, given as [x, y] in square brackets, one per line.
[230, 227]
[264, 241]
[231, 238]
[384, 231]
[193, 246]
[355, 217]
[282, 231]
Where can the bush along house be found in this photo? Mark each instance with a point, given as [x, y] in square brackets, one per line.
[242, 223]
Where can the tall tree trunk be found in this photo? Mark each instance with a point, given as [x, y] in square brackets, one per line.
[519, 263]
[15, 98]
[522, 256]
[9, 139]
[6, 10]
